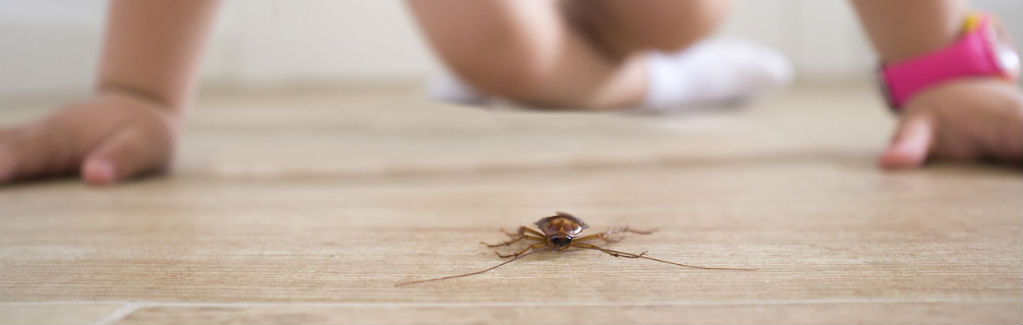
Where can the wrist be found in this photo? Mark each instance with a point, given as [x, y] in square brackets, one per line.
[980, 52]
[139, 100]
[137, 93]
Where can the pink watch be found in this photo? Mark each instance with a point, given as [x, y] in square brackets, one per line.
[979, 52]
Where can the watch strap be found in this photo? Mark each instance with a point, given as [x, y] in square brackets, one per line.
[971, 55]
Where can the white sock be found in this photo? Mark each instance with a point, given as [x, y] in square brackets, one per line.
[709, 73]
[447, 87]
[713, 72]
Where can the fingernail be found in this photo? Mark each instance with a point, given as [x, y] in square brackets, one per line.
[902, 146]
[99, 172]
[904, 156]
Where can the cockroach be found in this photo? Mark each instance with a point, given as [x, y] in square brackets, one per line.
[560, 232]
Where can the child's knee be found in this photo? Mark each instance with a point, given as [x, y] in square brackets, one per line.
[688, 21]
[662, 25]
[509, 65]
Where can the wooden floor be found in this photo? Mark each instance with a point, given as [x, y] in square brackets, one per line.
[307, 207]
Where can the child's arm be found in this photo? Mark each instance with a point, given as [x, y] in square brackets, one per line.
[154, 47]
[963, 119]
[147, 76]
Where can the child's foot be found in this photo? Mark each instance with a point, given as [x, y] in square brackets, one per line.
[709, 73]
[106, 139]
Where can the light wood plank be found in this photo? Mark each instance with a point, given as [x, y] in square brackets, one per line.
[794, 313]
[55, 313]
[333, 197]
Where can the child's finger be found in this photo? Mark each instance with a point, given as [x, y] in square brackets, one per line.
[9, 155]
[6, 162]
[911, 145]
[121, 156]
[31, 151]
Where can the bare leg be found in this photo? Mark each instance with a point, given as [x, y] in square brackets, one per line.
[643, 256]
[595, 55]
[623, 27]
[526, 51]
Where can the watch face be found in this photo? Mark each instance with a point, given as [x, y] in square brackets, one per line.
[1005, 55]
[1007, 59]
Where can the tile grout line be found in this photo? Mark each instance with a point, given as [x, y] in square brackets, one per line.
[120, 313]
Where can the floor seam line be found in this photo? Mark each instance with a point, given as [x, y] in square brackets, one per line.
[130, 306]
[120, 313]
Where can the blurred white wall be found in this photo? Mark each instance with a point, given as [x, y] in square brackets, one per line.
[51, 46]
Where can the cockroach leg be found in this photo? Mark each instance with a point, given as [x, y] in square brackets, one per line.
[514, 240]
[524, 250]
[472, 273]
[522, 231]
[643, 256]
[610, 236]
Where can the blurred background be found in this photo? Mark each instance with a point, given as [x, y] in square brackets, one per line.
[50, 47]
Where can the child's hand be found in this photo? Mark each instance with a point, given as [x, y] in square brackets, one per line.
[963, 119]
[106, 139]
